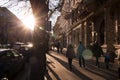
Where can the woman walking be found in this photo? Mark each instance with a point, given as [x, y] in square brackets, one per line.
[97, 52]
[70, 54]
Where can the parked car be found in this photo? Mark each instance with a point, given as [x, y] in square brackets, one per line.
[24, 48]
[11, 62]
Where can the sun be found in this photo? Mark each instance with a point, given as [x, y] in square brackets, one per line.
[29, 22]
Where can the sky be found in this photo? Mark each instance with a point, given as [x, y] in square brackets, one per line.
[52, 5]
[22, 8]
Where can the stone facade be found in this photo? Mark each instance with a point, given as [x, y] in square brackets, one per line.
[93, 20]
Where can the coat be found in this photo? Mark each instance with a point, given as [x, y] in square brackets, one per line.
[80, 50]
[107, 57]
[70, 52]
[97, 50]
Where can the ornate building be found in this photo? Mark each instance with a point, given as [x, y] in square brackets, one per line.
[92, 20]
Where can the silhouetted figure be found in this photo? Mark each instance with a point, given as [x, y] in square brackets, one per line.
[58, 46]
[107, 59]
[70, 54]
[97, 52]
[61, 47]
[80, 50]
[112, 55]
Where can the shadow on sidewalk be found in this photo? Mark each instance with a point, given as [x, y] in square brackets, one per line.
[109, 74]
[74, 70]
[112, 67]
[49, 77]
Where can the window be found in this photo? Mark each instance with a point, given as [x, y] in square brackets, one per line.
[6, 55]
[9, 54]
[15, 53]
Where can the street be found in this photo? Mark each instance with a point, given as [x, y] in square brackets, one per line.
[58, 69]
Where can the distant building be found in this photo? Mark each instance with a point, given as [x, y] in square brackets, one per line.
[11, 28]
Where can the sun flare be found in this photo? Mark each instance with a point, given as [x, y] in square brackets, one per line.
[29, 22]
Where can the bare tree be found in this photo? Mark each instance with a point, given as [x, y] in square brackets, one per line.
[55, 8]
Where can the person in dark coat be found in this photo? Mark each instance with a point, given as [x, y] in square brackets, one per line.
[61, 47]
[58, 46]
[70, 54]
[107, 59]
[80, 50]
[97, 52]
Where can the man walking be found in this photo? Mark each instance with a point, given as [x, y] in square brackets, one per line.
[80, 50]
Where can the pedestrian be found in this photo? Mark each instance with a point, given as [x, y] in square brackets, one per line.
[58, 46]
[113, 56]
[107, 59]
[80, 50]
[61, 47]
[97, 52]
[70, 54]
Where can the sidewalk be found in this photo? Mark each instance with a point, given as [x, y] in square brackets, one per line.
[113, 66]
[59, 69]
[91, 71]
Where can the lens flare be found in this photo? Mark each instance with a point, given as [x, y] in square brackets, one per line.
[87, 54]
[29, 22]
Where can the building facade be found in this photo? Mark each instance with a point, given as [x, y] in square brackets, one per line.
[92, 20]
[11, 28]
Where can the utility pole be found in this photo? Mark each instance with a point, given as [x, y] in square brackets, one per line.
[40, 40]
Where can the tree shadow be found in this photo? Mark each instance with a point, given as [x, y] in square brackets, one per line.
[102, 71]
[74, 70]
[49, 77]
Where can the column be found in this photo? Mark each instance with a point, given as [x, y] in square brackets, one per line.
[80, 33]
[85, 31]
[89, 33]
[92, 33]
[109, 30]
[116, 31]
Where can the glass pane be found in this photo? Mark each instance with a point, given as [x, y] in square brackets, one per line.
[15, 53]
